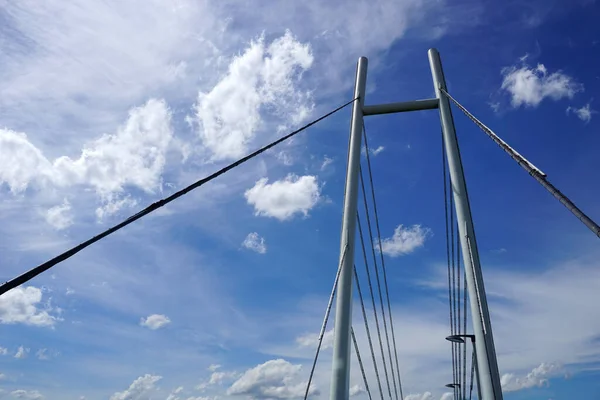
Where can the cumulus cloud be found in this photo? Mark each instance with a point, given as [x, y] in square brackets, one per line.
[255, 243]
[26, 394]
[284, 198]
[275, 379]
[133, 156]
[140, 387]
[155, 321]
[214, 367]
[3, 351]
[312, 340]
[21, 305]
[60, 216]
[584, 113]
[21, 352]
[529, 86]
[537, 377]
[262, 77]
[404, 240]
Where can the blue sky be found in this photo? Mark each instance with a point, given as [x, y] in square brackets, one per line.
[108, 106]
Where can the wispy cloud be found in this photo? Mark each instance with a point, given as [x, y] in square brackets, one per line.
[255, 243]
[584, 113]
[22, 352]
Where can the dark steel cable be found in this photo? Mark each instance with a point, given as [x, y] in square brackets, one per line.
[325, 320]
[364, 313]
[375, 266]
[531, 170]
[154, 206]
[385, 280]
[360, 232]
[360, 363]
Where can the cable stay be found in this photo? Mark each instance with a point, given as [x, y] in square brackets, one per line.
[366, 320]
[376, 268]
[362, 242]
[25, 277]
[387, 291]
[360, 363]
[324, 325]
[535, 172]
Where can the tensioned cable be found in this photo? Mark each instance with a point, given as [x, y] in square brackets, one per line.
[154, 206]
[325, 320]
[364, 313]
[387, 338]
[362, 242]
[465, 331]
[450, 258]
[360, 364]
[531, 169]
[385, 281]
[472, 374]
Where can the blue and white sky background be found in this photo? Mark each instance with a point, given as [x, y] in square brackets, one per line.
[106, 106]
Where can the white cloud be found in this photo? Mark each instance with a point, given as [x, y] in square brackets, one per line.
[377, 150]
[584, 113]
[255, 243]
[133, 156]
[404, 241]
[326, 162]
[21, 352]
[218, 378]
[373, 151]
[113, 204]
[312, 340]
[275, 379]
[21, 305]
[174, 393]
[26, 394]
[284, 198]
[140, 388]
[262, 77]
[155, 321]
[494, 106]
[529, 86]
[82, 63]
[3, 351]
[537, 377]
[42, 354]
[356, 390]
[419, 396]
[428, 396]
[59, 216]
[214, 367]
